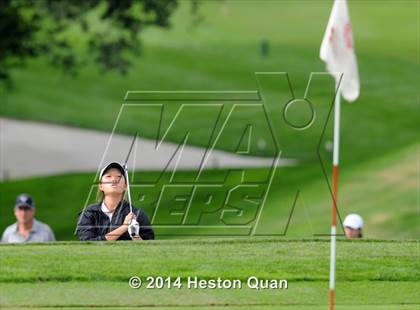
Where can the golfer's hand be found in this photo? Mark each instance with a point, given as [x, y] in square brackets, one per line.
[128, 218]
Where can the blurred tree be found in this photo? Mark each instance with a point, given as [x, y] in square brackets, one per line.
[70, 33]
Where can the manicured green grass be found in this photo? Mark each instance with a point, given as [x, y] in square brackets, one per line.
[97, 273]
[310, 295]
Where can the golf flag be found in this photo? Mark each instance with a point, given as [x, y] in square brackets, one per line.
[337, 50]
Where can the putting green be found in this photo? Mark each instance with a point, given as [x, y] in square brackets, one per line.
[370, 274]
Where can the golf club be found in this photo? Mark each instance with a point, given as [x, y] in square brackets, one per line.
[133, 226]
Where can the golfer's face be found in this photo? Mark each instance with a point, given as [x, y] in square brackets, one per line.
[112, 182]
[352, 233]
[24, 214]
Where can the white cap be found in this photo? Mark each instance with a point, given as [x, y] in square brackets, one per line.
[354, 221]
[115, 165]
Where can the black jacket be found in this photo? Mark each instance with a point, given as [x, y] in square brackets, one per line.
[93, 224]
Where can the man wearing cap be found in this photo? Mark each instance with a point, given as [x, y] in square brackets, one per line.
[353, 224]
[109, 219]
[27, 228]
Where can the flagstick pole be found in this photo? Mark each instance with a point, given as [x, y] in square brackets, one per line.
[335, 188]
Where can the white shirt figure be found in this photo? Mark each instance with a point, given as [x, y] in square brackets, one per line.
[39, 232]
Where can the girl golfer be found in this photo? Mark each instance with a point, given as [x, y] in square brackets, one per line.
[109, 219]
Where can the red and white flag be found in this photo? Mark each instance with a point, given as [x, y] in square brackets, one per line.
[337, 50]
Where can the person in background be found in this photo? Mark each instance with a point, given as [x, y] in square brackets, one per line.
[353, 224]
[27, 228]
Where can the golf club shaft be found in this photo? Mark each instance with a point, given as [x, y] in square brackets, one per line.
[126, 171]
[128, 187]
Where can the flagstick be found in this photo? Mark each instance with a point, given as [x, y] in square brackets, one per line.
[334, 206]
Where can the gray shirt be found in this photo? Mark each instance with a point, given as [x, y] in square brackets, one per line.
[39, 232]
